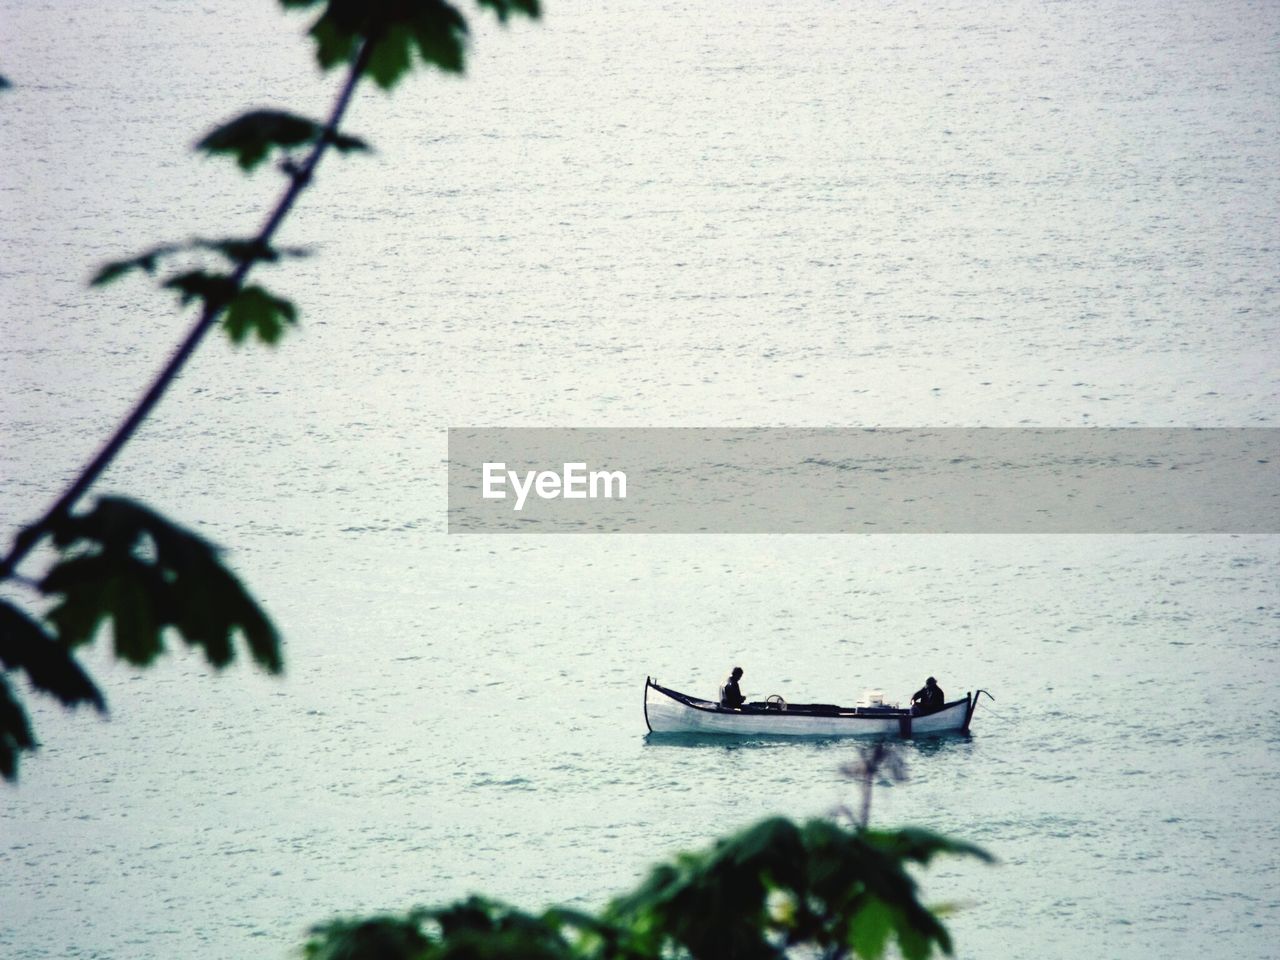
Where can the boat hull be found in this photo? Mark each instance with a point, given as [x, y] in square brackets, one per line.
[669, 711]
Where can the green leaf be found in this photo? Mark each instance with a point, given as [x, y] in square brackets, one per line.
[842, 889]
[479, 927]
[916, 942]
[440, 34]
[333, 46]
[434, 29]
[254, 310]
[471, 929]
[594, 937]
[121, 589]
[869, 929]
[252, 137]
[127, 565]
[774, 891]
[15, 732]
[715, 903]
[26, 646]
[392, 56]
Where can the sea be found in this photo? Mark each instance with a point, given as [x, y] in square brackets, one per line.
[636, 214]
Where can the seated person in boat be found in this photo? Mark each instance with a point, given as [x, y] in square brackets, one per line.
[928, 698]
[730, 696]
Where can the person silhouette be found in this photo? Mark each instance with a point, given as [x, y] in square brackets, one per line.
[730, 695]
[928, 698]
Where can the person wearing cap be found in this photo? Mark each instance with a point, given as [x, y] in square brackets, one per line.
[730, 696]
[928, 698]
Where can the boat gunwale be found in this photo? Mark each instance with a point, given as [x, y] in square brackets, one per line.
[845, 713]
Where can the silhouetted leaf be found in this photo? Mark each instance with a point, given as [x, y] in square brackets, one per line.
[433, 30]
[254, 310]
[505, 8]
[145, 262]
[26, 646]
[5, 84]
[115, 587]
[238, 250]
[374, 938]
[15, 732]
[392, 56]
[215, 289]
[241, 251]
[112, 271]
[714, 904]
[128, 565]
[251, 137]
[345, 143]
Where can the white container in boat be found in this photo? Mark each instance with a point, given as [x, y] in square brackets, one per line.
[873, 698]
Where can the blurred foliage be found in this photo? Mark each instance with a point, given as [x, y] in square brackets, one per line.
[25, 645]
[398, 30]
[249, 309]
[251, 137]
[237, 251]
[125, 564]
[215, 289]
[254, 310]
[15, 731]
[473, 928]
[49, 666]
[776, 890]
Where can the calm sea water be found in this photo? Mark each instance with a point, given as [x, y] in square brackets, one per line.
[826, 214]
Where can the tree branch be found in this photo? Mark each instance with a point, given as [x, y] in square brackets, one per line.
[299, 180]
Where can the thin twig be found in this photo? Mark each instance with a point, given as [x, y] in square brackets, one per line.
[299, 180]
[876, 759]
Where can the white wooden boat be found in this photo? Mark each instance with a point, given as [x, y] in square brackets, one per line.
[669, 711]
